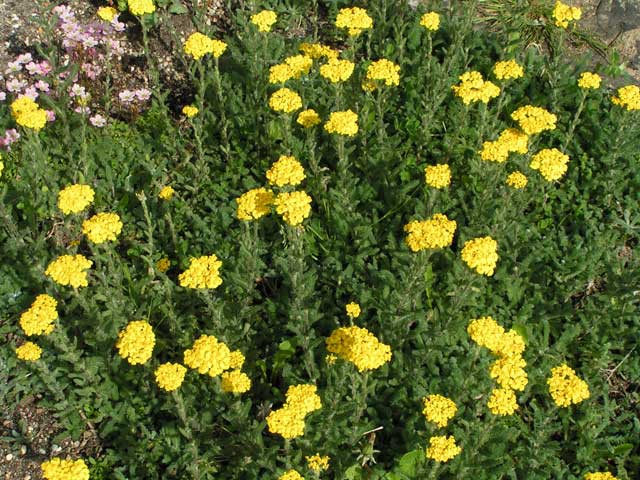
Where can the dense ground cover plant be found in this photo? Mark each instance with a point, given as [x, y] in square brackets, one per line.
[390, 247]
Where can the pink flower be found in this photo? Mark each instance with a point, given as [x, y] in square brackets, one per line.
[84, 110]
[143, 94]
[24, 58]
[98, 121]
[3, 96]
[14, 85]
[51, 115]
[127, 96]
[77, 91]
[13, 67]
[31, 92]
[42, 86]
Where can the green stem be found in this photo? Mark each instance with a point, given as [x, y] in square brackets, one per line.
[574, 122]
[188, 433]
[223, 115]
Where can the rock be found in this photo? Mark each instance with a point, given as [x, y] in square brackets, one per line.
[615, 16]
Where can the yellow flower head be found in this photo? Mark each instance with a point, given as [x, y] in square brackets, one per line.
[317, 50]
[169, 376]
[40, 317]
[481, 254]
[308, 118]
[285, 100]
[342, 123]
[75, 198]
[472, 88]
[237, 360]
[69, 270]
[436, 232]
[354, 19]
[318, 463]
[502, 402]
[599, 476]
[517, 180]
[102, 227]
[337, 70]
[534, 120]
[510, 140]
[264, 20]
[290, 475]
[107, 13]
[438, 409]
[29, 352]
[141, 7]
[430, 21]
[166, 193]
[59, 469]
[218, 47]
[442, 448]
[254, 204]
[135, 343]
[359, 346]
[353, 310]
[551, 163]
[438, 176]
[486, 332]
[589, 80]
[303, 398]
[565, 387]
[235, 381]
[208, 355]
[286, 171]
[190, 111]
[163, 264]
[628, 97]
[198, 45]
[507, 70]
[384, 70]
[294, 207]
[563, 14]
[28, 114]
[286, 422]
[509, 372]
[203, 272]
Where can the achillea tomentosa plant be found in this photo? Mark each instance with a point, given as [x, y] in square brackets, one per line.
[370, 191]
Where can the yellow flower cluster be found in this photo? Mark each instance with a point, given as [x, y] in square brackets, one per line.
[135, 343]
[438, 176]
[628, 97]
[75, 198]
[39, 318]
[166, 193]
[285, 100]
[29, 352]
[509, 372]
[308, 118]
[198, 45]
[318, 463]
[563, 14]
[291, 475]
[203, 272]
[342, 123]
[106, 13]
[551, 163]
[69, 270]
[293, 67]
[163, 264]
[507, 70]
[59, 469]
[28, 114]
[353, 310]
[589, 80]
[288, 421]
[236, 361]
[317, 50]
[208, 355]
[254, 204]
[337, 70]
[169, 376]
[438, 409]
[442, 448]
[286, 171]
[430, 21]
[481, 254]
[235, 381]
[384, 70]
[517, 180]
[102, 227]
[294, 207]
[473, 88]
[359, 346]
[141, 7]
[502, 401]
[509, 140]
[190, 111]
[599, 476]
[566, 387]
[534, 120]
[354, 19]
[264, 20]
[436, 232]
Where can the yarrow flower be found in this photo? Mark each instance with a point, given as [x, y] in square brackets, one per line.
[208, 355]
[59, 469]
[293, 67]
[517, 180]
[509, 372]
[534, 120]
[235, 381]
[442, 448]
[286, 171]
[384, 70]
[285, 100]
[353, 310]
[509, 141]
[438, 176]
[203, 272]
[107, 13]
[102, 227]
[69, 270]
[473, 88]
[565, 387]
[264, 20]
[291, 475]
[135, 343]
[438, 409]
[337, 70]
[317, 50]
[190, 111]
[288, 421]
[169, 376]
[198, 45]
[141, 7]
[166, 193]
[236, 360]
[599, 476]
[342, 123]
[589, 80]
[308, 118]
[628, 97]
[29, 352]
[358, 346]
[354, 19]
[507, 70]
[163, 264]
[430, 21]
[481, 254]
[563, 14]
[40, 317]
[318, 463]
[294, 207]
[436, 232]
[551, 163]
[75, 198]
[27, 113]
[254, 204]
[502, 401]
